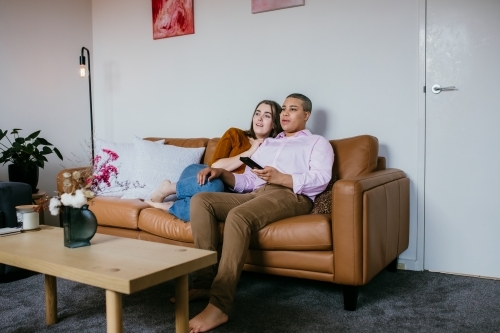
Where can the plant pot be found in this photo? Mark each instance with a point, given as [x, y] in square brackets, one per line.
[79, 224]
[22, 175]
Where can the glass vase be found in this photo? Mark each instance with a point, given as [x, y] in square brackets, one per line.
[79, 224]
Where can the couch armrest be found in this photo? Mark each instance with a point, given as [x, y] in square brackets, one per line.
[370, 224]
[60, 178]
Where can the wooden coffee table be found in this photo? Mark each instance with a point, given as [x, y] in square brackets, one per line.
[118, 265]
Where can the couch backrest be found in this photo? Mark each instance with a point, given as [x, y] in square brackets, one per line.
[353, 156]
[186, 143]
[209, 152]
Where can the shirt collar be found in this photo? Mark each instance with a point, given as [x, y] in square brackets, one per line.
[304, 132]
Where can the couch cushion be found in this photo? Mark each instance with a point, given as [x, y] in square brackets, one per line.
[309, 232]
[299, 233]
[161, 223]
[355, 156]
[124, 164]
[155, 163]
[186, 143]
[209, 152]
[323, 201]
[116, 212]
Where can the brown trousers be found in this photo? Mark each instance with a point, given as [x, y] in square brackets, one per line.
[244, 215]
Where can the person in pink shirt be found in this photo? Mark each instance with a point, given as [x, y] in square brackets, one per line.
[297, 167]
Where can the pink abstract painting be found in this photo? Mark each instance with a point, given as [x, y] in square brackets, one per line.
[259, 6]
[172, 18]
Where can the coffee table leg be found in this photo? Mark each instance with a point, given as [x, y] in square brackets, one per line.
[114, 316]
[181, 304]
[50, 299]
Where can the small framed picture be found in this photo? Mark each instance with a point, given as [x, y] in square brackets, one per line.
[172, 18]
[259, 6]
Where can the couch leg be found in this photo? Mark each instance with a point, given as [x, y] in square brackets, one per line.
[350, 297]
[393, 266]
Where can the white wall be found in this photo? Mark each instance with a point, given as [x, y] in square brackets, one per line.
[40, 89]
[357, 61]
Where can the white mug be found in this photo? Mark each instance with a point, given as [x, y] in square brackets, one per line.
[27, 215]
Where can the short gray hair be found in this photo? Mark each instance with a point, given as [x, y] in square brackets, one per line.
[306, 102]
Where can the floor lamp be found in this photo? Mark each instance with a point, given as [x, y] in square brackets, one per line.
[83, 74]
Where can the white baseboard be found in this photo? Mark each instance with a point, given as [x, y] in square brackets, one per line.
[410, 264]
[469, 275]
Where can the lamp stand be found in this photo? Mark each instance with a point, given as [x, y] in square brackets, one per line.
[82, 73]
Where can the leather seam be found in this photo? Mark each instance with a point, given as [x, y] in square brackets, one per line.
[399, 219]
[352, 242]
[385, 174]
[292, 246]
[294, 223]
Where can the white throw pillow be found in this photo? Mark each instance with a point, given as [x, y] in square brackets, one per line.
[155, 163]
[124, 164]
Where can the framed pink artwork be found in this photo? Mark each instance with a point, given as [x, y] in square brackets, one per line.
[172, 18]
[259, 6]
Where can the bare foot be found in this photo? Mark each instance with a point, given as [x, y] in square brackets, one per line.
[207, 319]
[195, 294]
[164, 190]
[162, 205]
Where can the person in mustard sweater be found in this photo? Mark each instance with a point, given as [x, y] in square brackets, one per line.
[235, 143]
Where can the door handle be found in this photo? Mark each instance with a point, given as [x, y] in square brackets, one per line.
[437, 88]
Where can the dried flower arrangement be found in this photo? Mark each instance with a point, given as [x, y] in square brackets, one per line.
[81, 186]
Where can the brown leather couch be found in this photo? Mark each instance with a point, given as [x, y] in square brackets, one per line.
[365, 233]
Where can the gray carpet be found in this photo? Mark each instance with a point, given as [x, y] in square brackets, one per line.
[405, 301]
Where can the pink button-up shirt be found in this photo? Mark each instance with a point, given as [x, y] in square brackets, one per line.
[308, 158]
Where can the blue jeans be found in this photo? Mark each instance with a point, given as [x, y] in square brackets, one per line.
[187, 186]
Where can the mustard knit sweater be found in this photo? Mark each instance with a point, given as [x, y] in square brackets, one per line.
[232, 143]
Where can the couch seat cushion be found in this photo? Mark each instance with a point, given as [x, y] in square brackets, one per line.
[116, 212]
[161, 223]
[299, 233]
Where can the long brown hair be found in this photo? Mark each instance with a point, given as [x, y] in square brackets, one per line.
[276, 110]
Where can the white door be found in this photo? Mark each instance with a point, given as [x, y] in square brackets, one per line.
[462, 182]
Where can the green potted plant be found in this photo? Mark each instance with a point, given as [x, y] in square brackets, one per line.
[26, 155]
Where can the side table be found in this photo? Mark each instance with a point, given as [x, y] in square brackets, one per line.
[36, 200]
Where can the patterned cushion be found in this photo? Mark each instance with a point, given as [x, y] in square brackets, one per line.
[124, 164]
[154, 163]
[323, 201]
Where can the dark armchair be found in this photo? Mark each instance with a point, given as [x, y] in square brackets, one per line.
[11, 195]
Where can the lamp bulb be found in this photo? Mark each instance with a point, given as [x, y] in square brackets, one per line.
[82, 71]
